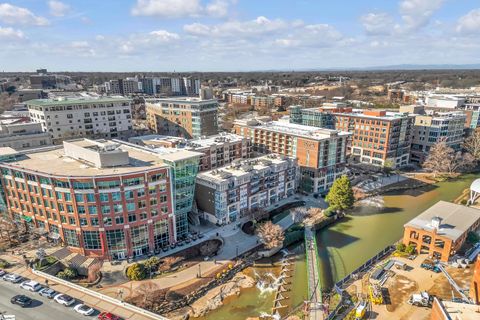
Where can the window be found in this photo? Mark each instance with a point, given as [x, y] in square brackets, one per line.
[141, 193]
[163, 198]
[90, 197]
[82, 185]
[128, 194]
[141, 204]
[132, 217]
[69, 208]
[71, 238]
[108, 184]
[91, 240]
[160, 234]
[71, 221]
[107, 221]
[104, 197]
[116, 240]
[94, 222]
[106, 209]
[59, 195]
[116, 196]
[133, 181]
[81, 209]
[83, 222]
[143, 216]
[130, 206]
[92, 210]
[117, 208]
[79, 197]
[119, 220]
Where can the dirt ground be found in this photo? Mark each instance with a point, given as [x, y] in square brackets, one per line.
[442, 289]
[400, 288]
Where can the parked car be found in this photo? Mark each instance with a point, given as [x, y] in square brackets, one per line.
[84, 309]
[13, 278]
[2, 272]
[64, 299]
[31, 285]
[108, 316]
[21, 300]
[48, 293]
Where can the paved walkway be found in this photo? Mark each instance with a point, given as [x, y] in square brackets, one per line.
[235, 241]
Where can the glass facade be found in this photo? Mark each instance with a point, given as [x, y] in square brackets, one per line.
[116, 244]
[71, 238]
[161, 235]
[139, 237]
[91, 240]
[184, 174]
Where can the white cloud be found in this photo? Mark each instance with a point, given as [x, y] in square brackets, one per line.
[377, 23]
[181, 8]
[250, 28]
[167, 8]
[416, 14]
[218, 8]
[11, 34]
[11, 14]
[313, 36]
[164, 35]
[58, 8]
[469, 23]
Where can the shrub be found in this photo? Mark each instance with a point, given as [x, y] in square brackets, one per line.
[67, 274]
[410, 249]
[329, 212]
[136, 272]
[401, 247]
[4, 264]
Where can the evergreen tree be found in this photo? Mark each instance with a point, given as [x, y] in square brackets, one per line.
[340, 197]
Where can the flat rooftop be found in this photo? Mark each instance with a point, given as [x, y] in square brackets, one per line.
[54, 161]
[189, 144]
[75, 100]
[241, 168]
[455, 219]
[182, 100]
[293, 129]
[460, 311]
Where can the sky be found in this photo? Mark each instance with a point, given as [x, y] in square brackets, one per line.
[235, 35]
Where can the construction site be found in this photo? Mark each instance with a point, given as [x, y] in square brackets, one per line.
[404, 288]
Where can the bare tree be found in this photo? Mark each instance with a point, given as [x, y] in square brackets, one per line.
[147, 290]
[257, 214]
[209, 248]
[472, 144]
[299, 214]
[270, 234]
[443, 159]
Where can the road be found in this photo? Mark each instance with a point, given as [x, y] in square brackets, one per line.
[41, 309]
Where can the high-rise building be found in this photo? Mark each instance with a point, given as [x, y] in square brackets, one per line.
[224, 195]
[183, 117]
[82, 117]
[378, 137]
[431, 129]
[321, 153]
[102, 198]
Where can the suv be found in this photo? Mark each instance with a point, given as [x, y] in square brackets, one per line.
[31, 285]
[64, 299]
[13, 278]
[47, 293]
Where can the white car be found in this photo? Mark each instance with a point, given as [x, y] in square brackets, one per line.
[13, 278]
[31, 285]
[84, 309]
[64, 299]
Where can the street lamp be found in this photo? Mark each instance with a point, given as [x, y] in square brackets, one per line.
[236, 252]
[199, 271]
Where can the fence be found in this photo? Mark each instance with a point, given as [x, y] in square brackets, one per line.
[100, 296]
[356, 274]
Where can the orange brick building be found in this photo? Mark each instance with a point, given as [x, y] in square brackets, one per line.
[441, 230]
[475, 284]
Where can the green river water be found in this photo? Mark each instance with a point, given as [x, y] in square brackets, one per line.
[346, 245]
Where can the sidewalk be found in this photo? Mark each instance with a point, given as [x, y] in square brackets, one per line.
[235, 241]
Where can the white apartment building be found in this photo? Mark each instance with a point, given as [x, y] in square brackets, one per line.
[63, 118]
[431, 129]
[23, 135]
[229, 193]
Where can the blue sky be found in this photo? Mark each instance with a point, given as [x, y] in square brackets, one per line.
[235, 35]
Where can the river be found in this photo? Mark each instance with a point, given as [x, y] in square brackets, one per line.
[346, 245]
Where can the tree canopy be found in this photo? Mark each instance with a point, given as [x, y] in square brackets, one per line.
[340, 196]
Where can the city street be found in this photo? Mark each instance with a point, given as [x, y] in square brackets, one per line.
[41, 308]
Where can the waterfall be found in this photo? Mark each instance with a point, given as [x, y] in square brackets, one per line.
[267, 283]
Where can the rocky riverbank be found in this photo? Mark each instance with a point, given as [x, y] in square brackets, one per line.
[214, 298]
